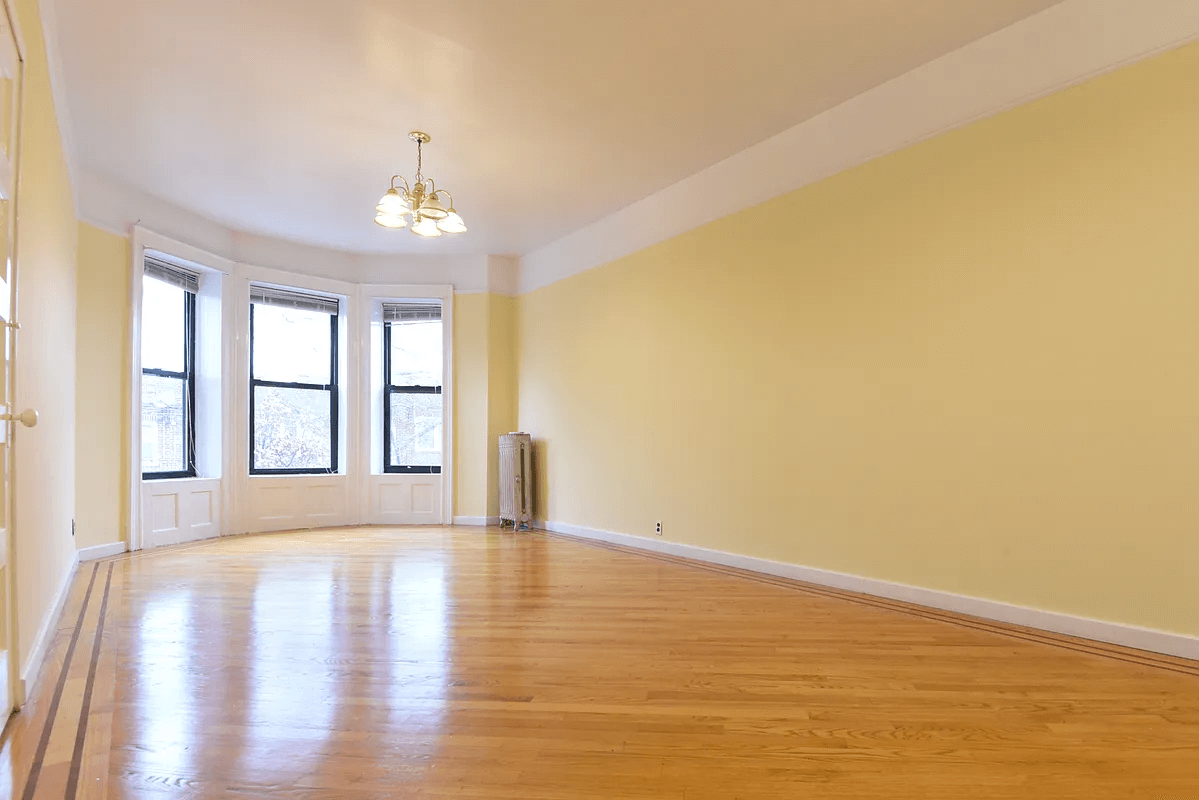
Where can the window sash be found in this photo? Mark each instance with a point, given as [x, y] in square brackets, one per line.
[331, 388]
[388, 465]
[333, 442]
[188, 376]
[388, 391]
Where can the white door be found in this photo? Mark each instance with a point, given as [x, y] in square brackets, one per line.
[10, 105]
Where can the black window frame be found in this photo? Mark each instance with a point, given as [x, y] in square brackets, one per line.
[388, 391]
[331, 388]
[188, 376]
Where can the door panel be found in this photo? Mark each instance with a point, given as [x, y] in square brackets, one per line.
[406, 499]
[177, 511]
[10, 125]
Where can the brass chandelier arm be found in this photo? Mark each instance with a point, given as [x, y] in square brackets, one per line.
[421, 198]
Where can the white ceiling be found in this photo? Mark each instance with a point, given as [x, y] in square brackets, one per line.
[286, 118]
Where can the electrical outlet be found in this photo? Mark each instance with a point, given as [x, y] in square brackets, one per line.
[658, 528]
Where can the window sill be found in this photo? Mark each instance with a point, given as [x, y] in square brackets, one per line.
[277, 475]
[199, 478]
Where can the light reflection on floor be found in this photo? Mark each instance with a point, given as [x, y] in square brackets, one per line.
[417, 633]
[327, 650]
[164, 685]
[292, 680]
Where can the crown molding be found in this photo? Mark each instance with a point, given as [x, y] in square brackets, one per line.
[111, 205]
[466, 273]
[117, 208]
[1064, 45]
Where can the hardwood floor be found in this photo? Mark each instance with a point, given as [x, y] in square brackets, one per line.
[378, 663]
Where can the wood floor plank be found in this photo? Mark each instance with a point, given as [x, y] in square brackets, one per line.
[462, 663]
[46, 776]
[21, 739]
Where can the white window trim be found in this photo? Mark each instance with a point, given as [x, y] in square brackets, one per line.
[371, 297]
[348, 352]
[247, 490]
[195, 258]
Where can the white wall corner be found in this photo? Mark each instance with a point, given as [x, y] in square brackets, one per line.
[32, 667]
[1082, 627]
[100, 551]
[1064, 45]
[503, 275]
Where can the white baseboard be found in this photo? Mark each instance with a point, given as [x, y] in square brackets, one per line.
[1098, 630]
[32, 667]
[477, 521]
[101, 551]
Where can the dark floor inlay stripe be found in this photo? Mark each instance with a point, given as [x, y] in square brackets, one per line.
[35, 769]
[81, 733]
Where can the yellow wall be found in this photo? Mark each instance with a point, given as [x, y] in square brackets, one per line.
[45, 371]
[972, 365]
[501, 394]
[102, 358]
[484, 397]
[471, 312]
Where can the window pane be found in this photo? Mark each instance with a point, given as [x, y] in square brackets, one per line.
[292, 428]
[416, 353]
[162, 325]
[415, 430]
[162, 425]
[291, 345]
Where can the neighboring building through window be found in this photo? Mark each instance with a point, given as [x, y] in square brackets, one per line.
[293, 382]
[168, 334]
[412, 377]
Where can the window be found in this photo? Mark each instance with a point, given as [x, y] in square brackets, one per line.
[412, 402]
[293, 382]
[168, 370]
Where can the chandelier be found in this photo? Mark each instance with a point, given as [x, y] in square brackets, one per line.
[422, 201]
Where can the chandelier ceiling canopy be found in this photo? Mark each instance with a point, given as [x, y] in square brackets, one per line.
[421, 200]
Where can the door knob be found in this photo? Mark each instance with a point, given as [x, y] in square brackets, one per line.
[28, 417]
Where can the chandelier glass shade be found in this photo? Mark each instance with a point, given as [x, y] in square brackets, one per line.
[421, 201]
